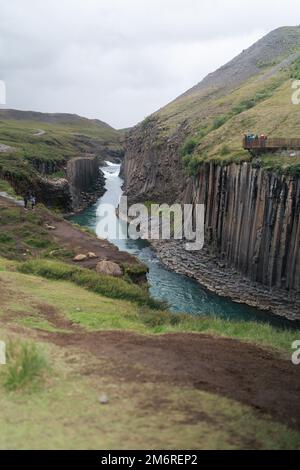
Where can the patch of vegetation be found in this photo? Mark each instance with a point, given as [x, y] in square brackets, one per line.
[5, 187]
[220, 121]
[267, 63]
[105, 285]
[58, 175]
[191, 164]
[134, 272]
[26, 366]
[225, 150]
[188, 147]
[281, 165]
[24, 235]
[4, 238]
[295, 73]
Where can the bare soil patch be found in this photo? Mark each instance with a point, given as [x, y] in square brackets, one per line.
[241, 371]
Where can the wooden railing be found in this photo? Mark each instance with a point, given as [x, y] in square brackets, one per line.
[271, 143]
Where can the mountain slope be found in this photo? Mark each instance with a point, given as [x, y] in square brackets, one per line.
[59, 121]
[251, 93]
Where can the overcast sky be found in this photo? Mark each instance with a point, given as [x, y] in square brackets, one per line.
[120, 60]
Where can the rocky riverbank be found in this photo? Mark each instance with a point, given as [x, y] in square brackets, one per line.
[218, 277]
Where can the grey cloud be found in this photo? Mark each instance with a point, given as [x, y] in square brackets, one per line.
[121, 60]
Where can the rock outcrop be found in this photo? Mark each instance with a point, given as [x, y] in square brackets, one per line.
[86, 181]
[152, 168]
[109, 268]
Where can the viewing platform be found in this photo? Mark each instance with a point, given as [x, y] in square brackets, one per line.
[265, 144]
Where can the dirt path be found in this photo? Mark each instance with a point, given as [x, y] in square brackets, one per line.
[39, 133]
[82, 242]
[241, 371]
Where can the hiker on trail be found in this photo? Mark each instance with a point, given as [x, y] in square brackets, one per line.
[26, 200]
[33, 201]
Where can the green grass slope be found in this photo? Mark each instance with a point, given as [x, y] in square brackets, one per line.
[29, 140]
[51, 381]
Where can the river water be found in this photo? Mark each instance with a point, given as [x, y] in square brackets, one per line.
[182, 293]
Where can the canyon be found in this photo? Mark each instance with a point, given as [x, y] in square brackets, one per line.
[191, 152]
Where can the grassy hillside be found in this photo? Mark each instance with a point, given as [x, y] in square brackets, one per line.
[55, 373]
[252, 93]
[28, 140]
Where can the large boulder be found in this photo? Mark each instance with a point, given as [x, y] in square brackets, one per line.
[109, 268]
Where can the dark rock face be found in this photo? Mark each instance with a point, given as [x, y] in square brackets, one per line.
[86, 181]
[45, 167]
[252, 221]
[152, 168]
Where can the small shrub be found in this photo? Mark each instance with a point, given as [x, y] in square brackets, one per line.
[26, 365]
[192, 165]
[9, 215]
[219, 121]
[37, 242]
[294, 170]
[4, 238]
[225, 150]
[188, 147]
[295, 73]
[154, 319]
[243, 106]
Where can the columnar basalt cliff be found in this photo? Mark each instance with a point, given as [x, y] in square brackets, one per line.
[252, 220]
[86, 181]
